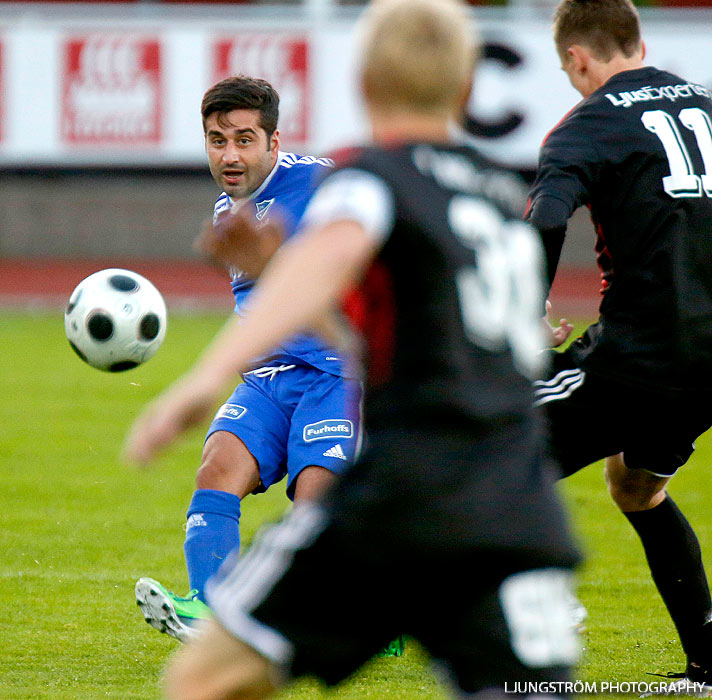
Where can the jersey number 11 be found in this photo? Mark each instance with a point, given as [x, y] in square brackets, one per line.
[682, 180]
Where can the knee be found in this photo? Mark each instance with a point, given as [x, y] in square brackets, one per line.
[215, 472]
[312, 482]
[633, 489]
[632, 500]
[627, 496]
[227, 465]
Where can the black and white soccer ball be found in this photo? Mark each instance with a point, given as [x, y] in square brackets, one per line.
[115, 320]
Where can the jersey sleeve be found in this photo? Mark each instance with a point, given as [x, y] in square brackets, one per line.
[353, 195]
[568, 162]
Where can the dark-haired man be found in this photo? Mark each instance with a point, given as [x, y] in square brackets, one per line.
[296, 412]
[636, 388]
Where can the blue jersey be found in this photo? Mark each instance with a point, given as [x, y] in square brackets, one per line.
[286, 192]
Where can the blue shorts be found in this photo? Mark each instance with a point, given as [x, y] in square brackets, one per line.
[293, 416]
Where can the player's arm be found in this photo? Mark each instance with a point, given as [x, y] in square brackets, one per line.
[567, 162]
[550, 216]
[546, 215]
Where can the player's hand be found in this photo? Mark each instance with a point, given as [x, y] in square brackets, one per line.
[183, 405]
[237, 238]
[556, 335]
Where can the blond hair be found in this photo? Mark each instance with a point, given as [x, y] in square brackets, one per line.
[416, 54]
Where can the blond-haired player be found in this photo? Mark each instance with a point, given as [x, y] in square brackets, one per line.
[451, 495]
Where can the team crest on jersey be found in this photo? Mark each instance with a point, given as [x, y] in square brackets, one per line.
[231, 410]
[263, 208]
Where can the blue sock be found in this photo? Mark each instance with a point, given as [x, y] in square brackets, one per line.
[212, 532]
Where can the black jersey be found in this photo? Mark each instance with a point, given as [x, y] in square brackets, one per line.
[449, 310]
[638, 153]
[449, 306]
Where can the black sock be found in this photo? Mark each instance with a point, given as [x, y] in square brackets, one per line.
[675, 561]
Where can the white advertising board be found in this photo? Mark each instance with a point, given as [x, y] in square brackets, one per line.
[97, 91]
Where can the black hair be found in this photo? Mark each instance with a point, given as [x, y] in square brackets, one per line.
[243, 92]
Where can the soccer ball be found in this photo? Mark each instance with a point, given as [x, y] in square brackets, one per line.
[115, 320]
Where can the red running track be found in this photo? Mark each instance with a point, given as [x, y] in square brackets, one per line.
[186, 284]
[47, 283]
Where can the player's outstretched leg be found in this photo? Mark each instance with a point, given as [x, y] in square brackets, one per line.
[175, 615]
[212, 532]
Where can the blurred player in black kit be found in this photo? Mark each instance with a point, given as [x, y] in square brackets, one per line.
[636, 387]
[452, 494]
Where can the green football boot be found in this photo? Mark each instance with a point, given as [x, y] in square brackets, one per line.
[169, 613]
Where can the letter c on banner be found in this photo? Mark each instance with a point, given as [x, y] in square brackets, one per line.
[492, 129]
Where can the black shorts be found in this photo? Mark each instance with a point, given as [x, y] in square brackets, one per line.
[320, 594]
[591, 417]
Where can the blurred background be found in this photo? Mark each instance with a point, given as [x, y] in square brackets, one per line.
[101, 148]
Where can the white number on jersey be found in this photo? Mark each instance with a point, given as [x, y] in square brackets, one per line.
[537, 608]
[682, 180]
[500, 296]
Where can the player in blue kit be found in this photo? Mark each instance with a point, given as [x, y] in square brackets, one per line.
[296, 414]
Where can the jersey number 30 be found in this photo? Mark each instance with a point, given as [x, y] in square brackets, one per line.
[682, 180]
[501, 295]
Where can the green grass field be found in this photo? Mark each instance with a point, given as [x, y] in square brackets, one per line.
[79, 528]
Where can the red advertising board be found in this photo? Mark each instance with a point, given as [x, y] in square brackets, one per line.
[111, 90]
[282, 60]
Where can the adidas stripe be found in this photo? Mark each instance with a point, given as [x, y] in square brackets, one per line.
[559, 387]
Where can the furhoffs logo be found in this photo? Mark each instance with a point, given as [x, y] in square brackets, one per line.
[232, 411]
[328, 430]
